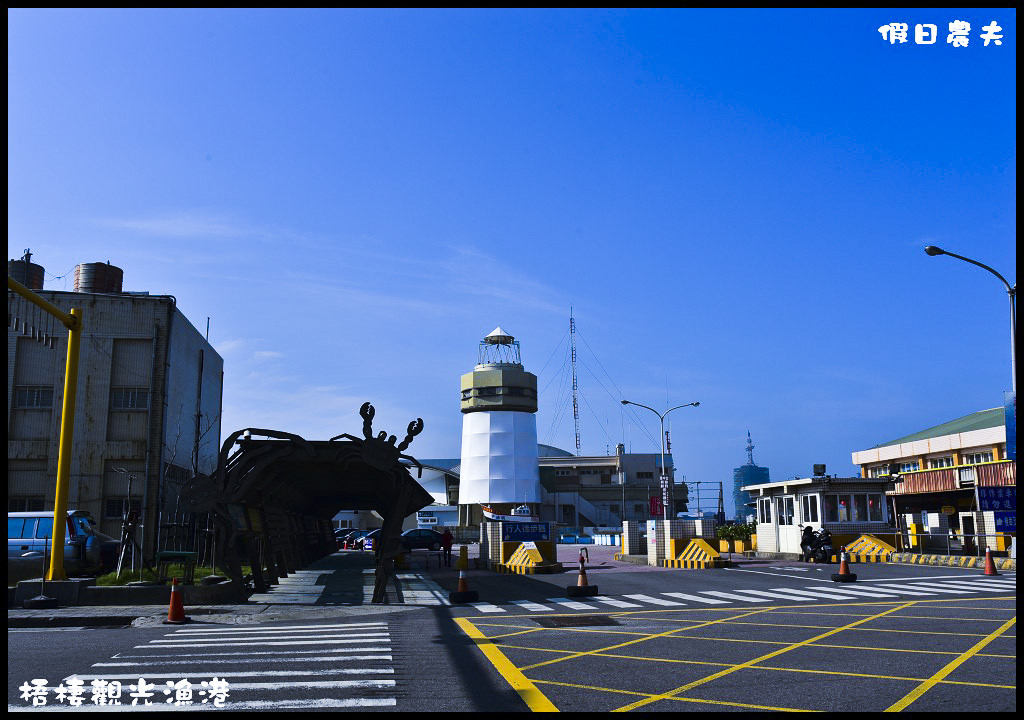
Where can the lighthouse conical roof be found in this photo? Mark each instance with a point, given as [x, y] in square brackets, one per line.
[497, 336]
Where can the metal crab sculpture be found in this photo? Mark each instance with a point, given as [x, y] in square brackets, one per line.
[244, 477]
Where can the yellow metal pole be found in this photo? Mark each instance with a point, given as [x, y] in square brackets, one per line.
[73, 323]
[67, 433]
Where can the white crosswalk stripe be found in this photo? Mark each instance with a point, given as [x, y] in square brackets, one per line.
[974, 586]
[572, 604]
[697, 598]
[487, 607]
[733, 596]
[361, 675]
[818, 595]
[652, 600]
[532, 606]
[773, 594]
[860, 591]
[838, 592]
[921, 589]
[615, 603]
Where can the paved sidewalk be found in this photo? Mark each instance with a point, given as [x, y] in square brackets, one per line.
[335, 586]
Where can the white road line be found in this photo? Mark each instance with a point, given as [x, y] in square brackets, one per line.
[572, 604]
[208, 641]
[922, 589]
[697, 598]
[247, 643]
[312, 703]
[834, 594]
[249, 661]
[613, 602]
[282, 628]
[250, 653]
[653, 600]
[966, 584]
[249, 674]
[532, 606]
[731, 596]
[868, 592]
[771, 594]
[487, 607]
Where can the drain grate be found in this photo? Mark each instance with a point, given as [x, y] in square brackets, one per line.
[574, 621]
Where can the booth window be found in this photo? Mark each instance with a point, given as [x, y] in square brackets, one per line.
[810, 508]
[764, 510]
[856, 507]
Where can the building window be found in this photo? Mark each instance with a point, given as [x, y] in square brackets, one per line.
[563, 473]
[645, 476]
[25, 503]
[910, 466]
[764, 510]
[638, 510]
[129, 398]
[856, 507]
[940, 462]
[810, 508]
[975, 458]
[878, 471]
[113, 507]
[613, 509]
[33, 396]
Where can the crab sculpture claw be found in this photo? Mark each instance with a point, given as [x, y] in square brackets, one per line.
[414, 429]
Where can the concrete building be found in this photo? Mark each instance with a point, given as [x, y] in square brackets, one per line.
[147, 413]
[956, 472]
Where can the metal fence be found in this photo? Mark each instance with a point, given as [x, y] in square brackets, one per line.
[954, 544]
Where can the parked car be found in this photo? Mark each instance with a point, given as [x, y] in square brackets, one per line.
[367, 541]
[85, 549]
[348, 535]
[421, 538]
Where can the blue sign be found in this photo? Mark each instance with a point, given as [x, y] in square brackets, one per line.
[522, 532]
[1006, 521]
[997, 498]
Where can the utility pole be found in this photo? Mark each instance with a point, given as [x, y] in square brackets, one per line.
[575, 403]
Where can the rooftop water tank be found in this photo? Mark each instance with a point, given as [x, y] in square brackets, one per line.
[27, 273]
[98, 278]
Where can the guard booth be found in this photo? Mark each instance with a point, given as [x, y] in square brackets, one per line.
[847, 507]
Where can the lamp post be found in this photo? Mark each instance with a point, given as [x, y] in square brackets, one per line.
[664, 470]
[1010, 290]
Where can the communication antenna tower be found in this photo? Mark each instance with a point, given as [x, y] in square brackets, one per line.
[750, 450]
[575, 402]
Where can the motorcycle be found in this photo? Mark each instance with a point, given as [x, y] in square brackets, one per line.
[816, 545]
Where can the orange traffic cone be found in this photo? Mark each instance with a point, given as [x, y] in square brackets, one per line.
[581, 588]
[844, 574]
[176, 612]
[990, 565]
[463, 594]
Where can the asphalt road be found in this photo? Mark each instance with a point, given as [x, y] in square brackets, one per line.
[762, 636]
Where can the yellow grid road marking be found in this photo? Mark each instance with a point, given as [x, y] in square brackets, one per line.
[860, 629]
[534, 698]
[950, 667]
[722, 673]
[693, 700]
[668, 633]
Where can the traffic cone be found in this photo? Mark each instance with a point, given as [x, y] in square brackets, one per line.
[844, 574]
[463, 594]
[176, 611]
[990, 565]
[581, 588]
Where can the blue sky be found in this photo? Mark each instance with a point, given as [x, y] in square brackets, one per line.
[733, 202]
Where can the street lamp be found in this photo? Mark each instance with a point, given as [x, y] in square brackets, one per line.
[664, 471]
[1010, 290]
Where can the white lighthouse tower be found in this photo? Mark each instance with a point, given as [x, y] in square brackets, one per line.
[499, 429]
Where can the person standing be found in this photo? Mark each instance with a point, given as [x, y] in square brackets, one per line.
[446, 544]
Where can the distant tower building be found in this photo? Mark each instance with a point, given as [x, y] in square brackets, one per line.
[499, 428]
[749, 474]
